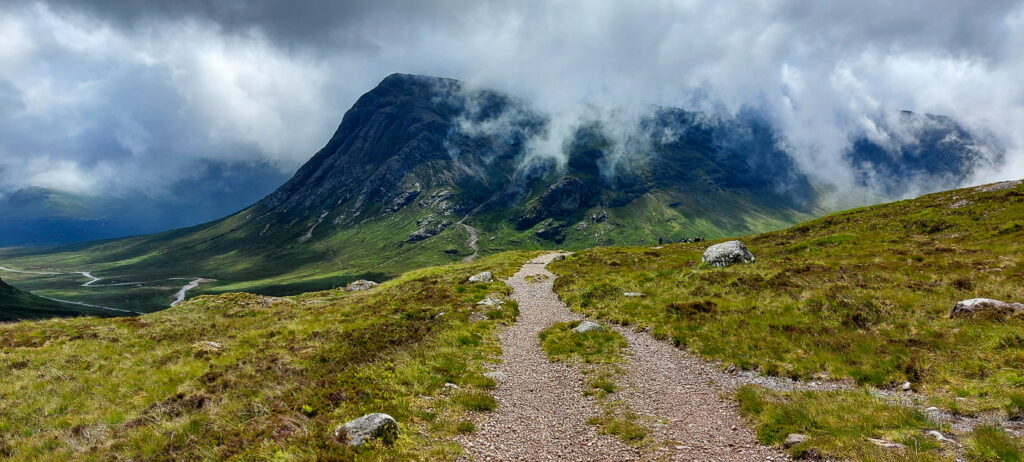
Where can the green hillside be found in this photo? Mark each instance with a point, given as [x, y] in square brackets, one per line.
[247, 377]
[862, 296]
[16, 304]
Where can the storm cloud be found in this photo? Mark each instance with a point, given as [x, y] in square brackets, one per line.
[126, 97]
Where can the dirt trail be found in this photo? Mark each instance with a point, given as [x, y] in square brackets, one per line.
[542, 411]
[471, 241]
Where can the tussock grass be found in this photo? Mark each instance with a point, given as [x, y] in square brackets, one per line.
[287, 372]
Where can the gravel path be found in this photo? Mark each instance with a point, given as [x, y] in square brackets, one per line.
[684, 393]
[542, 411]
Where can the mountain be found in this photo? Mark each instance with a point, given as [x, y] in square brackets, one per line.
[424, 171]
[40, 216]
[16, 305]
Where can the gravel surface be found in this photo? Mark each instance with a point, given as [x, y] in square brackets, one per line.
[542, 411]
[685, 394]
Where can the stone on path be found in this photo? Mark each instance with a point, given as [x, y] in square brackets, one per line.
[368, 427]
[794, 439]
[496, 376]
[727, 253]
[588, 326]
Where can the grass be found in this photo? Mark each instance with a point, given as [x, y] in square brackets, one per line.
[601, 353]
[560, 343]
[838, 424]
[993, 444]
[863, 295]
[287, 372]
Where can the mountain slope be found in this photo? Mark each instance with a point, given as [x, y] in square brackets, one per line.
[40, 216]
[419, 162]
[15, 305]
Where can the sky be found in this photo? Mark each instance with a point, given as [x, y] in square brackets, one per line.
[106, 97]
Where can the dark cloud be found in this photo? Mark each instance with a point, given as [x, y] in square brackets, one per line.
[134, 95]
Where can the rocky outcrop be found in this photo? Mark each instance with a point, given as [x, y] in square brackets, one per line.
[562, 197]
[483, 277]
[998, 186]
[442, 201]
[550, 230]
[428, 227]
[361, 284]
[588, 326]
[986, 308]
[376, 426]
[727, 253]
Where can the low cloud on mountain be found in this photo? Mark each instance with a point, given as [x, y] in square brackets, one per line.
[127, 97]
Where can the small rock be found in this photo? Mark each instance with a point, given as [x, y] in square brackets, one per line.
[960, 204]
[485, 276]
[727, 253]
[361, 284]
[490, 302]
[939, 436]
[588, 326]
[906, 386]
[794, 439]
[987, 307]
[496, 376]
[371, 426]
[208, 346]
[450, 386]
[885, 443]
[632, 294]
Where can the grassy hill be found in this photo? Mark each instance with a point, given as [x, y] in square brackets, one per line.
[862, 296]
[16, 304]
[248, 377]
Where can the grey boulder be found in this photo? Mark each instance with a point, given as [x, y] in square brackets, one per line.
[361, 284]
[985, 307]
[496, 376]
[485, 276]
[588, 326]
[368, 427]
[727, 253]
[794, 439]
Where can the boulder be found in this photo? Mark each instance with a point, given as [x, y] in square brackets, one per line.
[368, 427]
[588, 326]
[986, 307]
[485, 276]
[794, 439]
[361, 284]
[939, 436]
[632, 294]
[727, 253]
